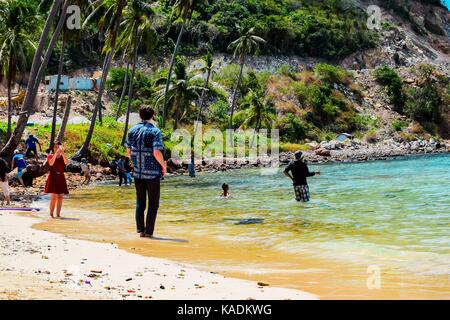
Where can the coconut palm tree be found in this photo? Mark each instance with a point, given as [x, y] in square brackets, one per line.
[182, 9]
[259, 111]
[181, 94]
[207, 68]
[18, 21]
[36, 73]
[247, 43]
[114, 9]
[137, 28]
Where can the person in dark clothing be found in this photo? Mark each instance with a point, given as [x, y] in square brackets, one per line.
[31, 147]
[128, 176]
[121, 170]
[145, 148]
[298, 171]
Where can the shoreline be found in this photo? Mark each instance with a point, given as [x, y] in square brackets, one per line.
[44, 265]
[24, 197]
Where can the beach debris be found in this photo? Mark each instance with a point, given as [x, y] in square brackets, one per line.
[198, 286]
[88, 282]
[162, 287]
[96, 271]
[44, 257]
[131, 291]
[128, 279]
[262, 284]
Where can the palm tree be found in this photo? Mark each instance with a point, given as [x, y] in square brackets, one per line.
[18, 21]
[124, 85]
[247, 43]
[65, 119]
[137, 27]
[181, 94]
[36, 73]
[115, 9]
[182, 9]
[207, 69]
[259, 110]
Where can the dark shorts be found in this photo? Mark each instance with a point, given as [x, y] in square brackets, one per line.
[301, 193]
[31, 150]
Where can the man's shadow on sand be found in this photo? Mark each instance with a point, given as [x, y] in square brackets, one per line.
[169, 239]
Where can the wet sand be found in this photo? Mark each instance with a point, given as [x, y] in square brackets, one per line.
[36, 264]
[325, 278]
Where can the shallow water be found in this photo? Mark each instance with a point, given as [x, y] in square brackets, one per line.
[392, 215]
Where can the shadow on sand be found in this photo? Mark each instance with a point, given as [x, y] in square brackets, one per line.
[169, 239]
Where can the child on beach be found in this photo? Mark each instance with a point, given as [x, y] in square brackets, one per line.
[4, 180]
[85, 171]
[56, 183]
[225, 189]
[128, 177]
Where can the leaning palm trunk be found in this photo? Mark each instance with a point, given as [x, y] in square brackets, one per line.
[58, 84]
[106, 65]
[172, 63]
[10, 77]
[65, 119]
[233, 102]
[124, 89]
[199, 115]
[130, 89]
[28, 104]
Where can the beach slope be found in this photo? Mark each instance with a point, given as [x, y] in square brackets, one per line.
[37, 264]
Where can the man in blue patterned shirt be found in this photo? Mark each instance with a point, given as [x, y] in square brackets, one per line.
[144, 148]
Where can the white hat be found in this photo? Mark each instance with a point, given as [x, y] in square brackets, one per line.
[16, 151]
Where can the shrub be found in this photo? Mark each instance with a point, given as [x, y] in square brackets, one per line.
[399, 125]
[389, 78]
[331, 74]
[291, 128]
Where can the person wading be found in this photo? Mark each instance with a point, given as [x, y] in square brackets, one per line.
[144, 148]
[300, 172]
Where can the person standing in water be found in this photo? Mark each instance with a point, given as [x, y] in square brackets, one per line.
[300, 172]
[145, 149]
[4, 183]
[56, 183]
[225, 189]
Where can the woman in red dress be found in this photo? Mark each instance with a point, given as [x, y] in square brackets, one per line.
[56, 183]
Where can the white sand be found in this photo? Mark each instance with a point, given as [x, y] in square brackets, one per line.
[41, 265]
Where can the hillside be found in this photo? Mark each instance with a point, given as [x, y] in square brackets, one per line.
[315, 76]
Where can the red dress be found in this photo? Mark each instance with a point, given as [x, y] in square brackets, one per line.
[56, 181]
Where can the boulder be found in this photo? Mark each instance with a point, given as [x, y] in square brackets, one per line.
[323, 152]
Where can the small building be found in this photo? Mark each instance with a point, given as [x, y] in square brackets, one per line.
[75, 83]
[344, 136]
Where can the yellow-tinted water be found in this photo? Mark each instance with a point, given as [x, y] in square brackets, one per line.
[382, 216]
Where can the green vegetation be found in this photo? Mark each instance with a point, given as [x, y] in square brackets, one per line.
[394, 84]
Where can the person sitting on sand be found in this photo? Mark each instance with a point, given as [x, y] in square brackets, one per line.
[56, 183]
[300, 172]
[85, 171]
[4, 180]
[31, 146]
[225, 188]
[18, 161]
[145, 148]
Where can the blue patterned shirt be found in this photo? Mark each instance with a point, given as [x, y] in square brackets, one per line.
[143, 138]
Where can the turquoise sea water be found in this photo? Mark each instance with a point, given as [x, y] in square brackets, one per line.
[395, 211]
[394, 214]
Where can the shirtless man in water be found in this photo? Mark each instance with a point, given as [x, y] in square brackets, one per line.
[300, 172]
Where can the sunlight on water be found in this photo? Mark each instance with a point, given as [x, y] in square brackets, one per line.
[386, 212]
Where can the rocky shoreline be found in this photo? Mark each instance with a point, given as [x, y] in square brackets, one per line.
[325, 152]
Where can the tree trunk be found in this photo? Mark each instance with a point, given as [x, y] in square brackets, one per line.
[202, 101]
[10, 77]
[28, 103]
[130, 89]
[233, 102]
[124, 89]
[172, 62]
[106, 65]
[58, 84]
[65, 119]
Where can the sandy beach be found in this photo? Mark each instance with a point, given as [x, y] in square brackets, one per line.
[36, 264]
